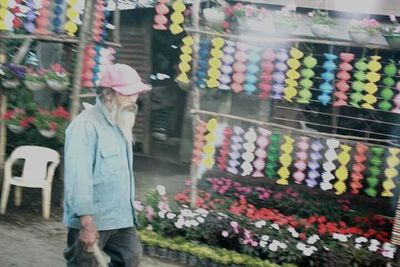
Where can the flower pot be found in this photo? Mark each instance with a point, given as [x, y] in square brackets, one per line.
[35, 86]
[360, 38]
[393, 40]
[321, 30]
[213, 16]
[16, 128]
[10, 84]
[47, 133]
[57, 86]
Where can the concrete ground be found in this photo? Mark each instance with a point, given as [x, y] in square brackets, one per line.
[26, 240]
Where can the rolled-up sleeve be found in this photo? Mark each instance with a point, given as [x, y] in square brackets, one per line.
[79, 159]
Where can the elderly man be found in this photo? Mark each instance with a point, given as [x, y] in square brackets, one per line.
[99, 180]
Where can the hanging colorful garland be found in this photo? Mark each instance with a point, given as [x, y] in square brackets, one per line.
[177, 17]
[250, 138]
[342, 173]
[236, 147]
[313, 164]
[260, 153]
[73, 11]
[279, 75]
[160, 20]
[358, 85]
[266, 74]
[224, 149]
[227, 62]
[202, 63]
[186, 59]
[239, 67]
[17, 13]
[329, 166]
[306, 82]
[344, 76]
[387, 93]
[391, 172]
[252, 70]
[292, 74]
[273, 155]
[99, 21]
[301, 163]
[209, 148]
[215, 63]
[199, 138]
[328, 76]
[42, 20]
[286, 160]
[374, 171]
[358, 168]
[373, 77]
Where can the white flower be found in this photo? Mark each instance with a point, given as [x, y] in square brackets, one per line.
[263, 244]
[264, 237]
[388, 254]
[275, 226]
[194, 223]
[373, 248]
[375, 242]
[161, 190]
[178, 225]
[186, 213]
[149, 227]
[340, 237]
[307, 252]
[273, 246]
[312, 239]
[295, 234]
[200, 219]
[282, 245]
[161, 214]
[361, 239]
[260, 224]
[225, 233]
[171, 215]
[358, 246]
[310, 14]
[291, 229]
[188, 223]
[201, 211]
[392, 18]
[300, 246]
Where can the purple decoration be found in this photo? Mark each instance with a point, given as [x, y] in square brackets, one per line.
[278, 77]
[281, 66]
[227, 61]
[313, 164]
[236, 146]
[29, 26]
[30, 15]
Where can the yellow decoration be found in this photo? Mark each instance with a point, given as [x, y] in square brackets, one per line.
[177, 17]
[342, 173]
[296, 53]
[372, 76]
[293, 63]
[72, 15]
[285, 159]
[215, 63]
[209, 148]
[186, 58]
[291, 91]
[390, 172]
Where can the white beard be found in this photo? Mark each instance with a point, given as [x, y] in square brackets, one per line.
[125, 119]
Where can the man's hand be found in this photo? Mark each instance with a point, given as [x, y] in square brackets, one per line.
[88, 234]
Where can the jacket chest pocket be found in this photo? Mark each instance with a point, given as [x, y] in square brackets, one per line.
[110, 159]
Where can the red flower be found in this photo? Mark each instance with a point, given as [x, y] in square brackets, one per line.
[302, 236]
[321, 219]
[53, 126]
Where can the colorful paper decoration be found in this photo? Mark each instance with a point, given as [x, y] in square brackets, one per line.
[17, 13]
[42, 21]
[209, 148]
[227, 62]
[202, 63]
[358, 168]
[301, 162]
[391, 172]
[292, 74]
[199, 138]
[3, 14]
[236, 147]
[239, 67]
[328, 76]
[29, 23]
[99, 21]
[58, 16]
[306, 82]
[358, 85]
[329, 166]
[373, 77]
[273, 155]
[73, 11]
[387, 93]
[260, 153]
[252, 70]
[177, 17]
[160, 20]
[215, 63]
[286, 160]
[313, 163]
[186, 59]
[341, 173]
[279, 75]
[396, 99]
[250, 138]
[224, 149]
[342, 86]
[374, 171]
[266, 74]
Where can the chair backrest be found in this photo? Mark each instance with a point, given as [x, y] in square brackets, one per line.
[36, 162]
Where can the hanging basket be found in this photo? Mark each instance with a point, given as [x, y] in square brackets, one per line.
[321, 30]
[360, 38]
[393, 40]
[10, 84]
[35, 86]
[57, 86]
[47, 133]
[16, 128]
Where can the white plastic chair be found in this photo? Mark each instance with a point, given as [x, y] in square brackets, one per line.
[36, 173]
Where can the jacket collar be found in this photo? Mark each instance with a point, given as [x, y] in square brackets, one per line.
[103, 109]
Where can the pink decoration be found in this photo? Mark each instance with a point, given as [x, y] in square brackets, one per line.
[260, 153]
[301, 156]
[266, 75]
[342, 86]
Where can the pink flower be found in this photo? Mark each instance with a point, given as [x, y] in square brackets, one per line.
[149, 213]
[138, 206]
[225, 233]
[163, 206]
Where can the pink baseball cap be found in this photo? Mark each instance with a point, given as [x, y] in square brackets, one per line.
[123, 79]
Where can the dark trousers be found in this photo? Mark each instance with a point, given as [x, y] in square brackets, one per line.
[122, 245]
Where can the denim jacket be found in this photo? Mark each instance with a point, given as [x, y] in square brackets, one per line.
[98, 177]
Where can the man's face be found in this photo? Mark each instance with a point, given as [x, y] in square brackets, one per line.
[126, 101]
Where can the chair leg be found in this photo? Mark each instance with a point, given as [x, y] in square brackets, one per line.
[18, 196]
[4, 197]
[46, 202]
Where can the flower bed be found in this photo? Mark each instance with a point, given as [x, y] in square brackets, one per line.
[261, 238]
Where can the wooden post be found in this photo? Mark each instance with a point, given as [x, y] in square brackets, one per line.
[3, 110]
[116, 21]
[83, 41]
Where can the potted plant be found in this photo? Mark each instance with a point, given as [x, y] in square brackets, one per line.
[51, 123]
[391, 33]
[35, 80]
[11, 74]
[286, 19]
[57, 78]
[362, 30]
[16, 120]
[322, 24]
